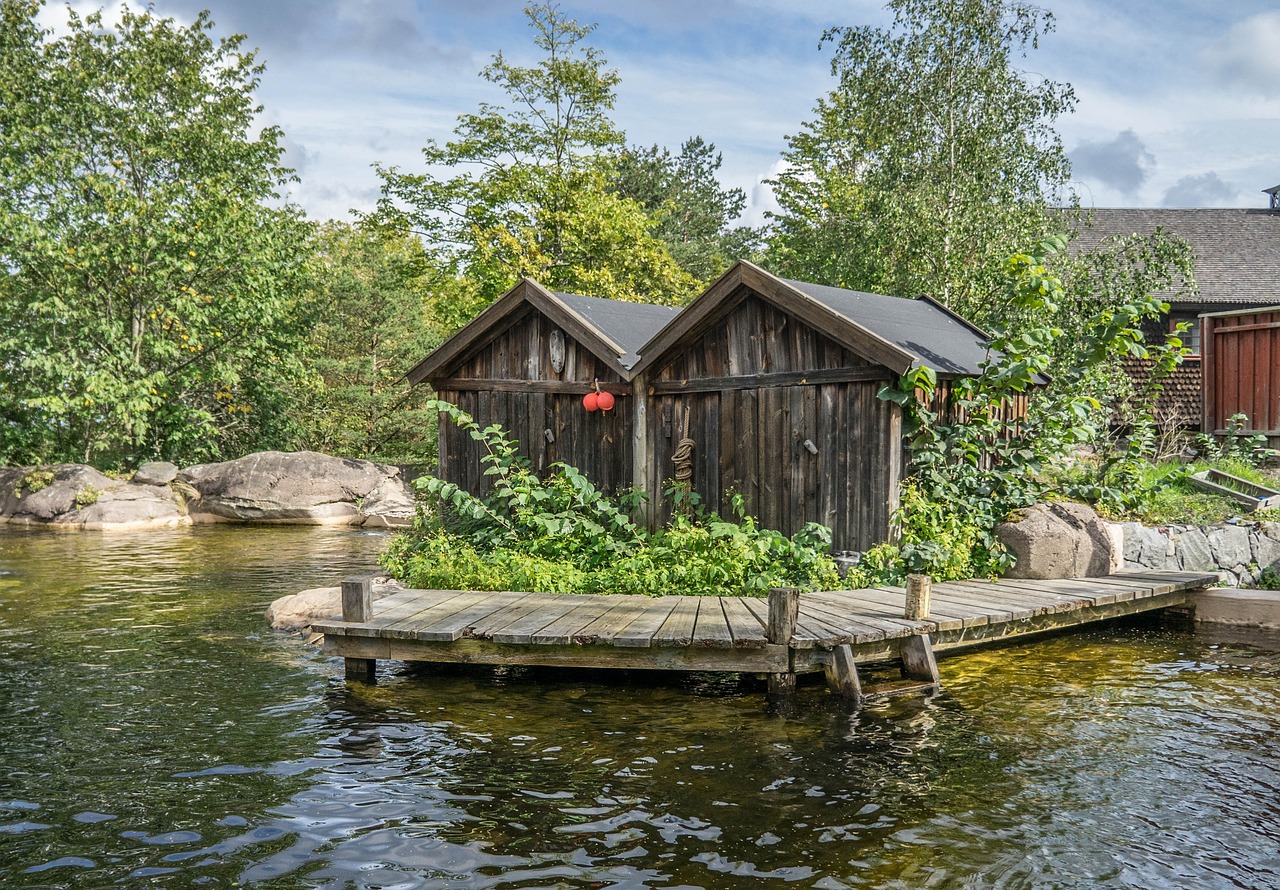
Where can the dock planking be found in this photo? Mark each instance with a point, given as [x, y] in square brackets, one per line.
[697, 633]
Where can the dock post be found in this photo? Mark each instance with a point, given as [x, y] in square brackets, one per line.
[784, 611]
[842, 675]
[919, 588]
[357, 606]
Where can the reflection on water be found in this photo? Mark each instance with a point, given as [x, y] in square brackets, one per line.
[154, 732]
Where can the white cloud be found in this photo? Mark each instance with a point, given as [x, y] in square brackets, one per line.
[1248, 55]
[1122, 163]
[1201, 190]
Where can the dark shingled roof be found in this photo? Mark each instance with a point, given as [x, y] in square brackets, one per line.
[1237, 251]
[938, 338]
[630, 325]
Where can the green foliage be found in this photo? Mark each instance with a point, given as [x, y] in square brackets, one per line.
[370, 328]
[33, 481]
[971, 466]
[148, 303]
[527, 190]
[695, 213]
[1269, 579]
[931, 155]
[1236, 444]
[561, 535]
[87, 496]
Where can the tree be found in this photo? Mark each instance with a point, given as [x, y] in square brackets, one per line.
[695, 212]
[150, 305]
[527, 191]
[371, 327]
[931, 155]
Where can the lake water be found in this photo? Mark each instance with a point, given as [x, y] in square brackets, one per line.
[154, 732]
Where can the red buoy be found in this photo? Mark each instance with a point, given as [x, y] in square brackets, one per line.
[591, 402]
[605, 400]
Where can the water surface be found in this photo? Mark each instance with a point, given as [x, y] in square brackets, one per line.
[154, 732]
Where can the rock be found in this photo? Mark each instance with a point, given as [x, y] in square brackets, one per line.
[300, 487]
[1193, 551]
[71, 496]
[1265, 544]
[301, 610]
[56, 489]
[1229, 546]
[1059, 540]
[126, 507]
[390, 505]
[159, 472]
[1144, 548]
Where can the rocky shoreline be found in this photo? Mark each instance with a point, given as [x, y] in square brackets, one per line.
[303, 487]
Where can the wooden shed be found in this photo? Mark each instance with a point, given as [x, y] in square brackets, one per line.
[1241, 370]
[525, 362]
[773, 383]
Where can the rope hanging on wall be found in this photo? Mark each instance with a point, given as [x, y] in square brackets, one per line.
[682, 457]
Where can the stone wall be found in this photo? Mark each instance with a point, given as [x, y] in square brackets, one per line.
[1240, 549]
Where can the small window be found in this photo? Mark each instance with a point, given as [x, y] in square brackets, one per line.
[1191, 339]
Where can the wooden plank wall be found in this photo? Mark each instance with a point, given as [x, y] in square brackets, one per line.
[598, 443]
[751, 438]
[1241, 370]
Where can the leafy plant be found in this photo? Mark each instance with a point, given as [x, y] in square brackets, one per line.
[33, 481]
[973, 461]
[87, 496]
[561, 535]
[1236, 444]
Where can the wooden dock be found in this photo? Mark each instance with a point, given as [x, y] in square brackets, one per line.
[788, 634]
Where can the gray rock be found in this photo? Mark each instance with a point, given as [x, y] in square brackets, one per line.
[1265, 544]
[1145, 548]
[126, 507]
[1229, 545]
[1059, 540]
[1193, 551]
[158, 472]
[54, 498]
[390, 505]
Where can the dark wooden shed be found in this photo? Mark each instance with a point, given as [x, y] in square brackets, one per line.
[774, 384]
[1241, 362]
[525, 363]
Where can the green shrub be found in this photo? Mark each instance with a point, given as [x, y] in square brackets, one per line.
[562, 535]
[33, 481]
[87, 496]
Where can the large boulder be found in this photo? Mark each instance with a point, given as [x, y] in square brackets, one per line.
[300, 610]
[298, 487]
[156, 472]
[1058, 540]
[71, 496]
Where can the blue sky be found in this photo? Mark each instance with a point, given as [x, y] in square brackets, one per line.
[1179, 102]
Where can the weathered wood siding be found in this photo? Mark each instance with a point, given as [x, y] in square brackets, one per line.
[751, 430]
[1241, 369]
[509, 379]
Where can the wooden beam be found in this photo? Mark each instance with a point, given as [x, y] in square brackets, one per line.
[918, 662]
[759, 381]
[842, 675]
[492, 384]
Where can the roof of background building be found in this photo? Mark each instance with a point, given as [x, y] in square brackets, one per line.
[1237, 251]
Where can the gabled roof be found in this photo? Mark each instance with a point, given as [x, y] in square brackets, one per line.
[1237, 251]
[613, 330]
[894, 332]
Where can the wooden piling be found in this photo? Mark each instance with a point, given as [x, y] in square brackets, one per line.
[357, 607]
[919, 589]
[784, 612]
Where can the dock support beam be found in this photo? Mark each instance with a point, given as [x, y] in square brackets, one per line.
[842, 675]
[784, 612]
[357, 606]
[918, 662]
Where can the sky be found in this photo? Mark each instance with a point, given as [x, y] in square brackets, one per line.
[1178, 100]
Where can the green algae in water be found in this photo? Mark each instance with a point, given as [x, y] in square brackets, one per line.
[155, 733]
